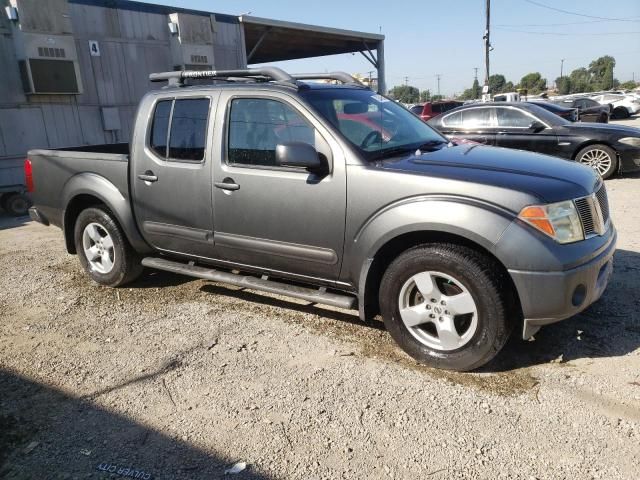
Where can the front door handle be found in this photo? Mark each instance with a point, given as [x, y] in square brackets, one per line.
[148, 176]
[227, 184]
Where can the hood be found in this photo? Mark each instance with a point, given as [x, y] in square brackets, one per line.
[607, 128]
[550, 179]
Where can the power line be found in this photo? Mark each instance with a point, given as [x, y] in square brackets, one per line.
[600, 34]
[532, 2]
[552, 24]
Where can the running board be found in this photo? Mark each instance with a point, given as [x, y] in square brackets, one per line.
[253, 283]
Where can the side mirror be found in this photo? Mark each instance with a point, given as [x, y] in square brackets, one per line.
[537, 126]
[300, 154]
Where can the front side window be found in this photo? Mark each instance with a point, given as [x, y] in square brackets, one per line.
[179, 129]
[453, 120]
[510, 117]
[258, 125]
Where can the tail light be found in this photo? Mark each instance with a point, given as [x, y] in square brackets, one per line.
[28, 174]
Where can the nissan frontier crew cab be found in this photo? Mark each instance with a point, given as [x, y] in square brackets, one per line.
[331, 193]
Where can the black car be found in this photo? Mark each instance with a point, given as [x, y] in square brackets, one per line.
[606, 148]
[570, 114]
[588, 110]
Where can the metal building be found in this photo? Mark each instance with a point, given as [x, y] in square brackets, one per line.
[72, 71]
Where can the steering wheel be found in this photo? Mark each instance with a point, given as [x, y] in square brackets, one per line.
[372, 137]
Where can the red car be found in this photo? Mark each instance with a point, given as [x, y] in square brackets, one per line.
[432, 109]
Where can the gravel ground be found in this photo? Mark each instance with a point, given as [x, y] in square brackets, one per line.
[176, 378]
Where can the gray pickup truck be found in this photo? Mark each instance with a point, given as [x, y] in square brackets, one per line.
[331, 193]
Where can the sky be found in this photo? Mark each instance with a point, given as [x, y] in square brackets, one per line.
[430, 37]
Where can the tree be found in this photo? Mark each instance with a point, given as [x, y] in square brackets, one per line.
[475, 89]
[436, 98]
[405, 94]
[630, 85]
[563, 84]
[425, 96]
[497, 83]
[580, 80]
[533, 82]
[601, 70]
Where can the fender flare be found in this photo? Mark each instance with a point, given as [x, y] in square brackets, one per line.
[475, 221]
[101, 188]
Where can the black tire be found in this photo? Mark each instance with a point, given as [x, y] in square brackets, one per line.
[126, 262]
[482, 279]
[16, 204]
[620, 112]
[613, 164]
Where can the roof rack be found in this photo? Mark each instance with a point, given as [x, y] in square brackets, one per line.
[266, 73]
[343, 77]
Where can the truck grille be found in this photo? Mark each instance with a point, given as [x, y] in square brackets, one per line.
[594, 212]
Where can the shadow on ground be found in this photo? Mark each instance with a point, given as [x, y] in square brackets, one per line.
[45, 433]
[7, 221]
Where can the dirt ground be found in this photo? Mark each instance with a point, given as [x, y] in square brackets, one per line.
[175, 378]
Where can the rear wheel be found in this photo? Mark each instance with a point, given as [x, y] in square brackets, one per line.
[601, 158]
[103, 250]
[445, 306]
[620, 112]
[16, 204]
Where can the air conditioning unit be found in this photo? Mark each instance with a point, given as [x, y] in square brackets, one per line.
[49, 64]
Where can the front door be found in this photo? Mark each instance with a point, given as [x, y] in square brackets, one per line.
[171, 176]
[513, 131]
[278, 219]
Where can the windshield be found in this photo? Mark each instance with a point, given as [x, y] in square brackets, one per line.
[373, 124]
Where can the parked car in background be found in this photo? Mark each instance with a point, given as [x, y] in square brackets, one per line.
[14, 198]
[429, 110]
[567, 113]
[260, 185]
[606, 148]
[588, 109]
[623, 106]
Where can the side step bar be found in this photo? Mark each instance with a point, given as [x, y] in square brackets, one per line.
[253, 283]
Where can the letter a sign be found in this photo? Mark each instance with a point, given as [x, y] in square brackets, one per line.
[94, 48]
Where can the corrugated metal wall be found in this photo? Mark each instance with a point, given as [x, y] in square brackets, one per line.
[134, 41]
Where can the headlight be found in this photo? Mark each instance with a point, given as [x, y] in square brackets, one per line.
[558, 220]
[633, 141]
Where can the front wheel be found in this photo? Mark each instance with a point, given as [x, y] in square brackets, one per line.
[446, 306]
[103, 250]
[601, 158]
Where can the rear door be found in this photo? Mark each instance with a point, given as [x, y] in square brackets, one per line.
[513, 131]
[171, 175]
[588, 109]
[280, 219]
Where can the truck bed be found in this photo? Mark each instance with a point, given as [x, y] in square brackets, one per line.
[58, 172]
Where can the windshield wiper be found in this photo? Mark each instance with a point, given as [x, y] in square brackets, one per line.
[389, 152]
[432, 143]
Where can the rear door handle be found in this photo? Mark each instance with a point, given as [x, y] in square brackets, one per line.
[148, 176]
[228, 184]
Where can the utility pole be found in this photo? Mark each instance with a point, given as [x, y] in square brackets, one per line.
[475, 80]
[487, 48]
[438, 75]
[561, 65]
[406, 80]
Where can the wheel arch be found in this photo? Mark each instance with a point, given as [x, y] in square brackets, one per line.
[588, 143]
[89, 190]
[375, 266]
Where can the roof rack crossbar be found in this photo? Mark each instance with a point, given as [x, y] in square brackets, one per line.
[177, 78]
[343, 77]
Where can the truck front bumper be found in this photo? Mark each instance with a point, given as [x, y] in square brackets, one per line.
[549, 297]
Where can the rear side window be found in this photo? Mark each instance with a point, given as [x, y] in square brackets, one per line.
[160, 128]
[179, 129]
[416, 109]
[188, 129]
[257, 125]
[476, 117]
[452, 120]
